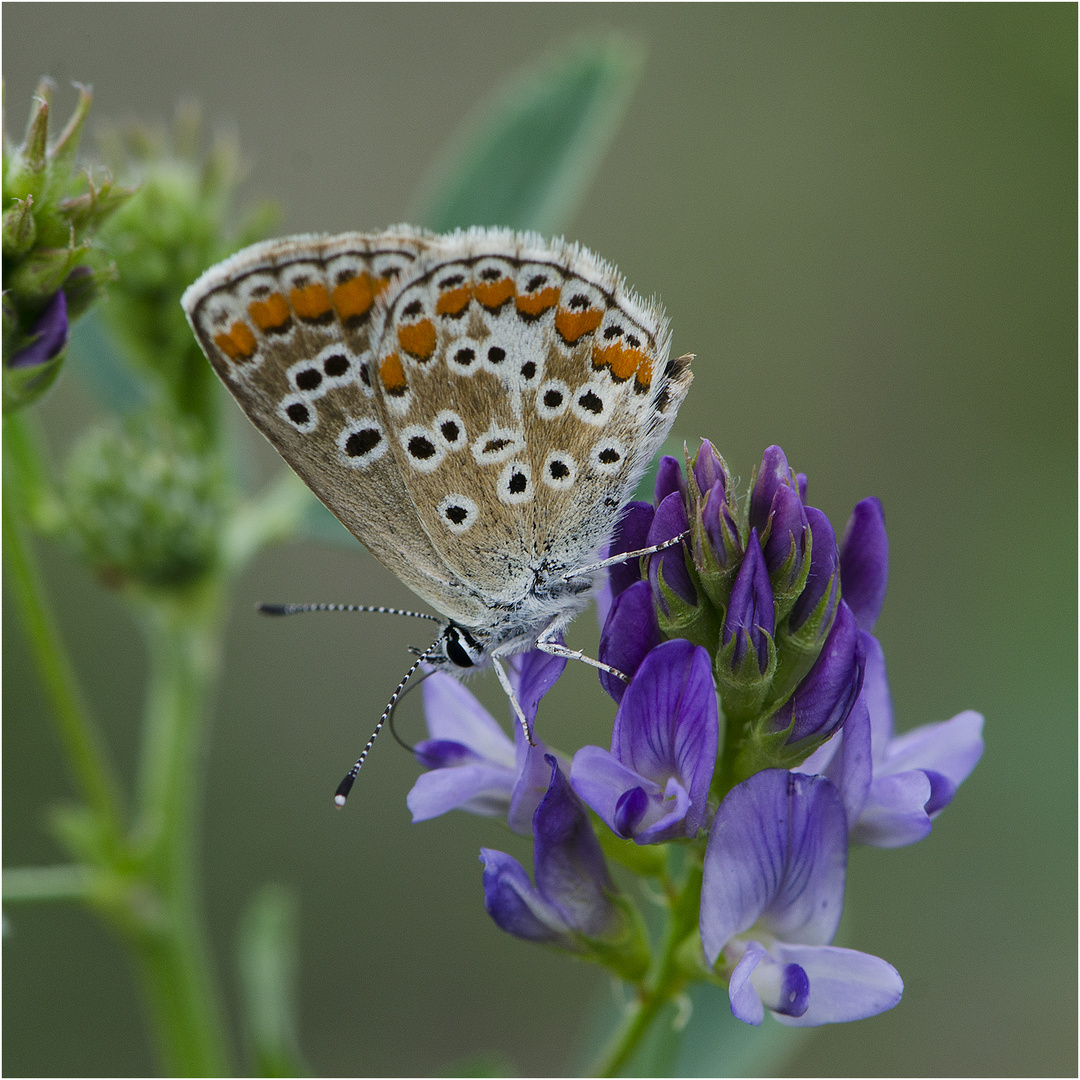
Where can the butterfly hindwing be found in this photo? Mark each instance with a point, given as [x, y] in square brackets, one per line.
[524, 390]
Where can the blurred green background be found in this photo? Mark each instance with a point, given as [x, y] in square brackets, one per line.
[863, 221]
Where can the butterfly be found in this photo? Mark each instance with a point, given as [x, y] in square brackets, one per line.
[476, 408]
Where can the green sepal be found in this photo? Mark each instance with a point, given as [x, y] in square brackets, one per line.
[40, 276]
[62, 155]
[744, 689]
[645, 860]
[87, 211]
[24, 385]
[627, 954]
[25, 174]
[698, 623]
[762, 749]
[20, 230]
[784, 596]
[692, 962]
[716, 581]
[797, 651]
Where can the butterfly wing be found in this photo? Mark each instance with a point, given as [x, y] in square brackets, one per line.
[525, 391]
[286, 326]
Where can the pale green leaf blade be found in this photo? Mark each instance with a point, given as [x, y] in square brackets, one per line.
[526, 158]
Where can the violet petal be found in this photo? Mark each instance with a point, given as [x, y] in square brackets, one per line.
[864, 562]
[667, 724]
[631, 534]
[517, 907]
[844, 985]
[777, 853]
[669, 522]
[630, 634]
[50, 335]
[568, 863]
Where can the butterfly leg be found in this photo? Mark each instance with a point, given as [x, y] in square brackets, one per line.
[508, 687]
[626, 556]
[546, 643]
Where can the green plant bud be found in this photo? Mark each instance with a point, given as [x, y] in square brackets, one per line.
[144, 507]
[796, 651]
[41, 274]
[88, 210]
[19, 228]
[83, 286]
[26, 172]
[699, 623]
[743, 686]
[24, 385]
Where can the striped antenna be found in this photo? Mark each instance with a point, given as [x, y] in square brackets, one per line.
[345, 786]
[296, 609]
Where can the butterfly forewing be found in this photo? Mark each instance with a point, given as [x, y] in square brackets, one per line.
[286, 325]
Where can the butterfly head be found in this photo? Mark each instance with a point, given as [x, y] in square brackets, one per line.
[456, 648]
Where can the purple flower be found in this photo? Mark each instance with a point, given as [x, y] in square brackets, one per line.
[654, 784]
[774, 473]
[824, 699]
[631, 534]
[771, 900]
[750, 618]
[572, 896]
[630, 633]
[669, 479]
[864, 562]
[49, 335]
[472, 763]
[824, 576]
[668, 522]
[709, 469]
[894, 786]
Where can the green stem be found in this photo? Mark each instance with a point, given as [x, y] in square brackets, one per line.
[83, 746]
[663, 983]
[185, 1003]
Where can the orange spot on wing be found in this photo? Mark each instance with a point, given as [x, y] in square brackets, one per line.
[393, 375]
[621, 361]
[352, 298]
[454, 301]
[535, 304]
[644, 376]
[380, 285]
[239, 343]
[574, 325]
[418, 339]
[270, 314]
[493, 294]
[311, 302]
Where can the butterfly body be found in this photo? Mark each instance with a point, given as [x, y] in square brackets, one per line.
[475, 408]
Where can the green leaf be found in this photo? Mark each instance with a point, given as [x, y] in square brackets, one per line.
[267, 961]
[525, 159]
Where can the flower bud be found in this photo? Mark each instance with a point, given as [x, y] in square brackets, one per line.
[773, 472]
[26, 172]
[800, 638]
[746, 661]
[42, 273]
[19, 228]
[30, 369]
[864, 562]
[144, 507]
[709, 469]
[677, 608]
[631, 534]
[716, 546]
[669, 478]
